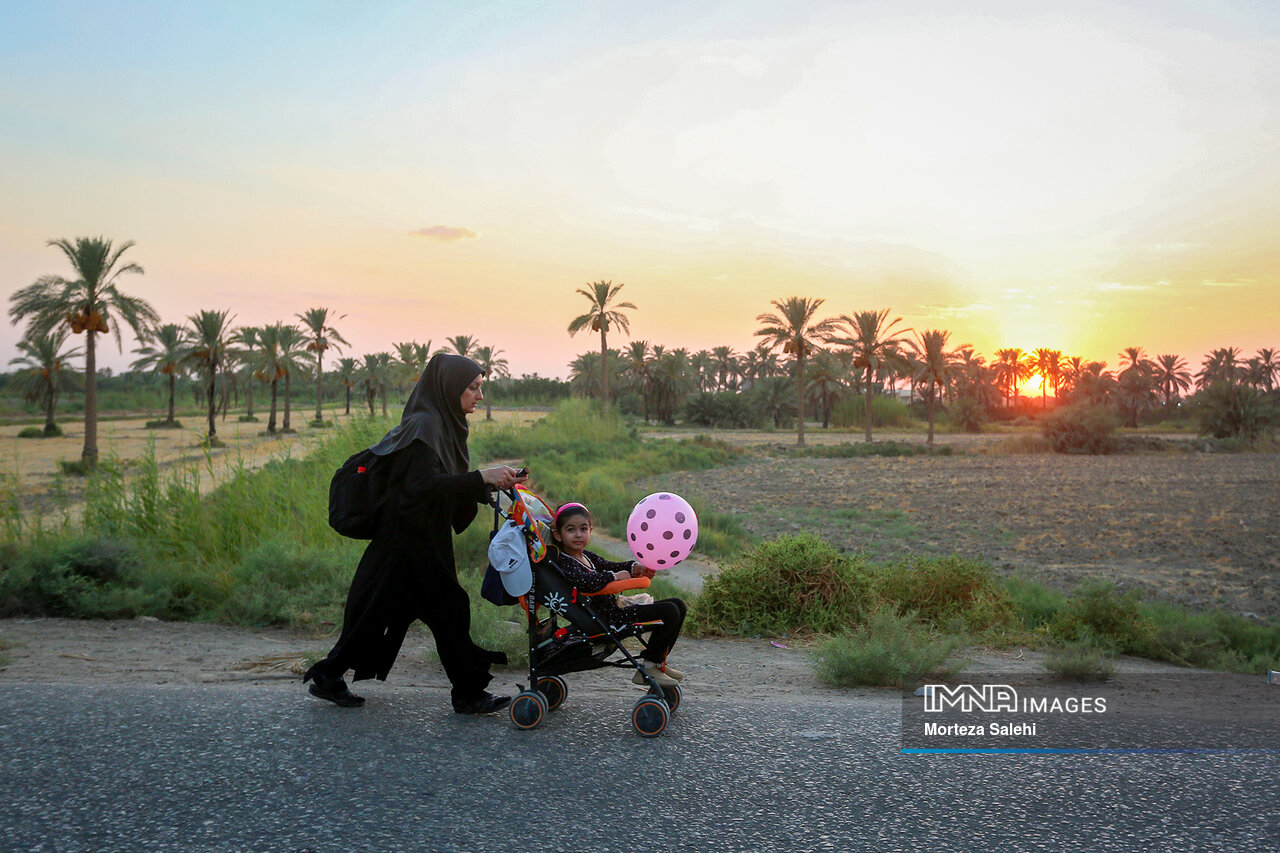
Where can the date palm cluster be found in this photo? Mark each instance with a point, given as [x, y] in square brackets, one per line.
[806, 362]
[803, 363]
[227, 361]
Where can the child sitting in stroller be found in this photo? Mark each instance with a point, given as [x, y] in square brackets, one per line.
[590, 572]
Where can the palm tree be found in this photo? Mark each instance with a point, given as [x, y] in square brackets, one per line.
[494, 367]
[1171, 376]
[461, 345]
[603, 313]
[1220, 365]
[210, 335]
[86, 303]
[673, 380]
[164, 351]
[45, 372]
[1072, 369]
[347, 375]
[773, 398]
[269, 369]
[1133, 358]
[934, 370]
[1048, 364]
[1268, 365]
[637, 357]
[1096, 382]
[876, 347]
[376, 374]
[825, 381]
[410, 360]
[247, 339]
[703, 370]
[1135, 391]
[1011, 369]
[322, 337]
[724, 363]
[794, 327]
[291, 360]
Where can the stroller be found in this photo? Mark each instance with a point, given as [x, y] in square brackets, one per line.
[573, 635]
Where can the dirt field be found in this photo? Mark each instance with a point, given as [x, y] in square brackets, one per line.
[1193, 528]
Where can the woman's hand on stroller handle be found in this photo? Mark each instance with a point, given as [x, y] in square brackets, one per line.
[503, 476]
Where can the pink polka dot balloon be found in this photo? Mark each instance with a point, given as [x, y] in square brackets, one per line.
[662, 530]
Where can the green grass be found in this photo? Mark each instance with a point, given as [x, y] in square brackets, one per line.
[257, 550]
[579, 452]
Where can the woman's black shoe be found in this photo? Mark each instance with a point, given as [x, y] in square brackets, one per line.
[485, 703]
[335, 690]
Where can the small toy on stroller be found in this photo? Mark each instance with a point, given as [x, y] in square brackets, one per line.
[574, 634]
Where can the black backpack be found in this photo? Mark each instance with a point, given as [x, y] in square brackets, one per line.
[357, 493]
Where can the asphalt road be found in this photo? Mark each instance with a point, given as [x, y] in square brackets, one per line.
[264, 768]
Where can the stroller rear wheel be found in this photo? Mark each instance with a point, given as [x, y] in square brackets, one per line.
[650, 716]
[555, 689]
[528, 709]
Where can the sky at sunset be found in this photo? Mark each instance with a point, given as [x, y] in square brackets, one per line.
[1082, 176]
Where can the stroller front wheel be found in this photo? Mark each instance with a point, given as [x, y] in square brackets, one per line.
[528, 709]
[650, 716]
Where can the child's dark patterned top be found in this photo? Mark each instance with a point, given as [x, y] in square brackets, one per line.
[595, 578]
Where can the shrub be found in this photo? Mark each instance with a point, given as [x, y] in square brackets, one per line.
[948, 592]
[723, 410]
[966, 414]
[1035, 605]
[1228, 410]
[83, 578]
[1212, 639]
[1081, 428]
[1081, 661]
[74, 468]
[40, 432]
[886, 411]
[891, 650]
[163, 424]
[1097, 613]
[284, 583]
[788, 585]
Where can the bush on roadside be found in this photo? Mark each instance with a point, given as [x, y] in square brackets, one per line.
[1035, 604]
[891, 650]
[946, 592]
[1097, 613]
[1080, 661]
[792, 584]
[1212, 639]
[81, 578]
[1081, 428]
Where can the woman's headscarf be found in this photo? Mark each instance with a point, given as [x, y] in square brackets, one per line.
[434, 413]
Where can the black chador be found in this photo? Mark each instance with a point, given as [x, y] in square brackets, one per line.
[407, 572]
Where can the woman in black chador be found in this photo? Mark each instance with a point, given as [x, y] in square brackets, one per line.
[407, 571]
